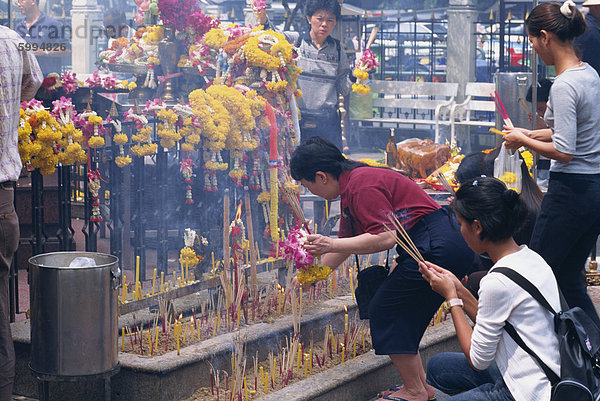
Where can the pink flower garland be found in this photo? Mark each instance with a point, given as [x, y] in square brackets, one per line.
[175, 13]
[69, 82]
[259, 6]
[293, 248]
[201, 23]
[367, 61]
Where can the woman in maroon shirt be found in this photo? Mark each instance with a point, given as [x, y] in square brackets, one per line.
[404, 304]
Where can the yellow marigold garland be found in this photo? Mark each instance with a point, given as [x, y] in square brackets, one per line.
[166, 130]
[278, 55]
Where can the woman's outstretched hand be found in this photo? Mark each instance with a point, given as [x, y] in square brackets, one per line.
[318, 244]
[441, 280]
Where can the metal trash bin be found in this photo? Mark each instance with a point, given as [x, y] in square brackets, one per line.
[74, 322]
[511, 87]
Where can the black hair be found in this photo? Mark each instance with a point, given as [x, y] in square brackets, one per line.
[318, 154]
[331, 6]
[117, 15]
[543, 91]
[548, 17]
[499, 210]
[477, 164]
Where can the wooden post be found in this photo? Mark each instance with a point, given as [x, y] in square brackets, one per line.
[253, 278]
[226, 231]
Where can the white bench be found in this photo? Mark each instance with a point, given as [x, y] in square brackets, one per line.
[412, 104]
[465, 113]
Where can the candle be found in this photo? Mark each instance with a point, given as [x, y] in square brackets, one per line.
[177, 329]
[245, 388]
[162, 282]
[332, 338]
[187, 325]
[153, 280]
[192, 329]
[261, 373]
[238, 318]
[137, 269]
[343, 353]
[326, 209]
[311, 360]
[266, 382]
[345, 322]
[305, 365]
[124, 291]
[122, 338]
[212, 258]
[186, 279]
[279, 301]
[298, 360]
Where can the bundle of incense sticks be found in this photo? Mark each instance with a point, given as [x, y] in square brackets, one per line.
[500, 106]
[294, 202]
[404, 240]
[442, 179]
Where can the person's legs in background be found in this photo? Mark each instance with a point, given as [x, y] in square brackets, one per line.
[565, 232]
[451, 373]
[9, 238]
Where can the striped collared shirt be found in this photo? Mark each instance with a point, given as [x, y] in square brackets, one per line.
[20, 78]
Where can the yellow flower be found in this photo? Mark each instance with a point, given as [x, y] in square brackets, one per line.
[122, 161]
[528, 157]
[132, 85]
[96, 141]
[120, 139]
[215, 38]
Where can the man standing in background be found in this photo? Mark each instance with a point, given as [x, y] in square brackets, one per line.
[589, 42]
[48, 38]
[20, 78]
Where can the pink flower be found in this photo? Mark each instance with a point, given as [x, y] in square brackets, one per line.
[69, 82]
[293, 248]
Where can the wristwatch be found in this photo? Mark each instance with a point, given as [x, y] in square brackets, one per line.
[452, 302]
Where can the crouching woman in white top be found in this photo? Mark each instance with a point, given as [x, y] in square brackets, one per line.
[493, 367]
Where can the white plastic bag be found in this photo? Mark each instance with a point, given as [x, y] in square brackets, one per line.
[507, 168]
[82, 261]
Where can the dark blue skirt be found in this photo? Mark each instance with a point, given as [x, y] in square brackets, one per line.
[404, 304]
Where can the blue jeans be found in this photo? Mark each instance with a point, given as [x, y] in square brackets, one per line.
[451, 373]
[565, 232]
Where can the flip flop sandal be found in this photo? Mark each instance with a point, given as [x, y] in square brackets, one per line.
[391, 397]
[395, 388]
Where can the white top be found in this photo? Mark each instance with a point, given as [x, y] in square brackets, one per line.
[20, 78]
[501, 299]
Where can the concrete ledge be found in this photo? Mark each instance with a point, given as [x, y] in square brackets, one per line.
[362, 378]
[173, 377]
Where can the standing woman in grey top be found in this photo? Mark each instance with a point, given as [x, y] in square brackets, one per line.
[325, 71]
[569, 221]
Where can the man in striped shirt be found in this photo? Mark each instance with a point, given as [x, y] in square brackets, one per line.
[20, 78]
